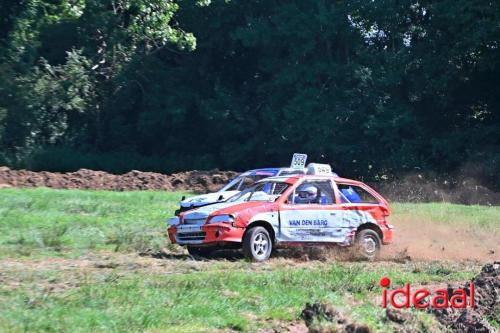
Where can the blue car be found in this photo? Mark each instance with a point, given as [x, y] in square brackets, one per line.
[244, 181]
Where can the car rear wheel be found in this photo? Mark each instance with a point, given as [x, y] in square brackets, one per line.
[200, 251]
[367, 244]
[257, 244]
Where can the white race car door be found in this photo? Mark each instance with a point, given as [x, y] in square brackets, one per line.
[310, 214]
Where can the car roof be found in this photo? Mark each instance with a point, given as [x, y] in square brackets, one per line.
[276, 179]
[294, 178]
[270, 170]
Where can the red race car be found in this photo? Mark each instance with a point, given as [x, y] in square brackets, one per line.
[299, 210]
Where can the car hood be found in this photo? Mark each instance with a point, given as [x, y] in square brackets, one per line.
[223, 207]
[206, 199]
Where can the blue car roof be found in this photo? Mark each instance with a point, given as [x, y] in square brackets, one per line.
[265, 171]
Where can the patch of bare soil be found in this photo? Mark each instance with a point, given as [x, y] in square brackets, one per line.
[197, 181]
[487, 299]
[323, 318]
[426, 240]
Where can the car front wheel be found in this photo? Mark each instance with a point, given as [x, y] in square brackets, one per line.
[257, 244]
[367, 244]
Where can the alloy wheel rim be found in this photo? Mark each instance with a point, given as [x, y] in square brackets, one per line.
[260, 245]
[369, 245]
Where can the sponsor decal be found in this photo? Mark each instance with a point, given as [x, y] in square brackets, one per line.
[423, 298]
[264, 173]
[307, 222]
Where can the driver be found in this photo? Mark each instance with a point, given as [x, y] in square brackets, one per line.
[307, 194]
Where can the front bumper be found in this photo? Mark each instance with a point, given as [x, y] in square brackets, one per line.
[205, 234]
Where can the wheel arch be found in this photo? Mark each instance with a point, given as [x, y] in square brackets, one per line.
[371, 226]
[264, 224]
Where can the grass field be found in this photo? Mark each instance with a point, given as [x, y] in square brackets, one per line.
[70, 262]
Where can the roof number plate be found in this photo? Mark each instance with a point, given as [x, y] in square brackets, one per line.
[298, 161]
[319, 169]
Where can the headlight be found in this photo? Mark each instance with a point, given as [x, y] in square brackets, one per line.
[221, 219]
[173, 221]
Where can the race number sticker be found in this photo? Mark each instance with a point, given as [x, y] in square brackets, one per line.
[298, 161]
[319, 169]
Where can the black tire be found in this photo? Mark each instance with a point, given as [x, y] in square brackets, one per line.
[200, 251]
[367, 244]
[257, 244]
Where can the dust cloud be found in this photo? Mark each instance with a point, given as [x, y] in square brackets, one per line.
[429, 240]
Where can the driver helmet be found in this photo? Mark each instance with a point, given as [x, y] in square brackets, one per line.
[307, 192]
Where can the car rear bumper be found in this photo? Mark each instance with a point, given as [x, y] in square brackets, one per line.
[387, 232]
[205, 234]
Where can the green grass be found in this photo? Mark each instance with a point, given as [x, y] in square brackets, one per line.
[44, 221]
[41, 222]
[486, 217]
[38, 226]
[207, 300]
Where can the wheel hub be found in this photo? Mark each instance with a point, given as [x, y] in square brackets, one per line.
[369, 245]
[260, 245]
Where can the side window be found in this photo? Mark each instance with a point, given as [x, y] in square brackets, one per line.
[234, 184]
[246, 183]
[318, 192]
[355, 194]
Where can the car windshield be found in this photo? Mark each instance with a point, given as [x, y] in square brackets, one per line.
[262, 191]
[242, 182]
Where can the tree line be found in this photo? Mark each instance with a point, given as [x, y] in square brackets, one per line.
[376, 88]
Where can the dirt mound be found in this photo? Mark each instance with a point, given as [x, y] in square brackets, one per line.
[198, 181]
[487, 298]
[322, 318]
[410, 188]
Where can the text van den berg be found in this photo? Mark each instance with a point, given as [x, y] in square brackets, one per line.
[294, 223]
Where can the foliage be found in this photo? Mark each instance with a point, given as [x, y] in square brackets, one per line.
[54, 102]
[374, 88]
